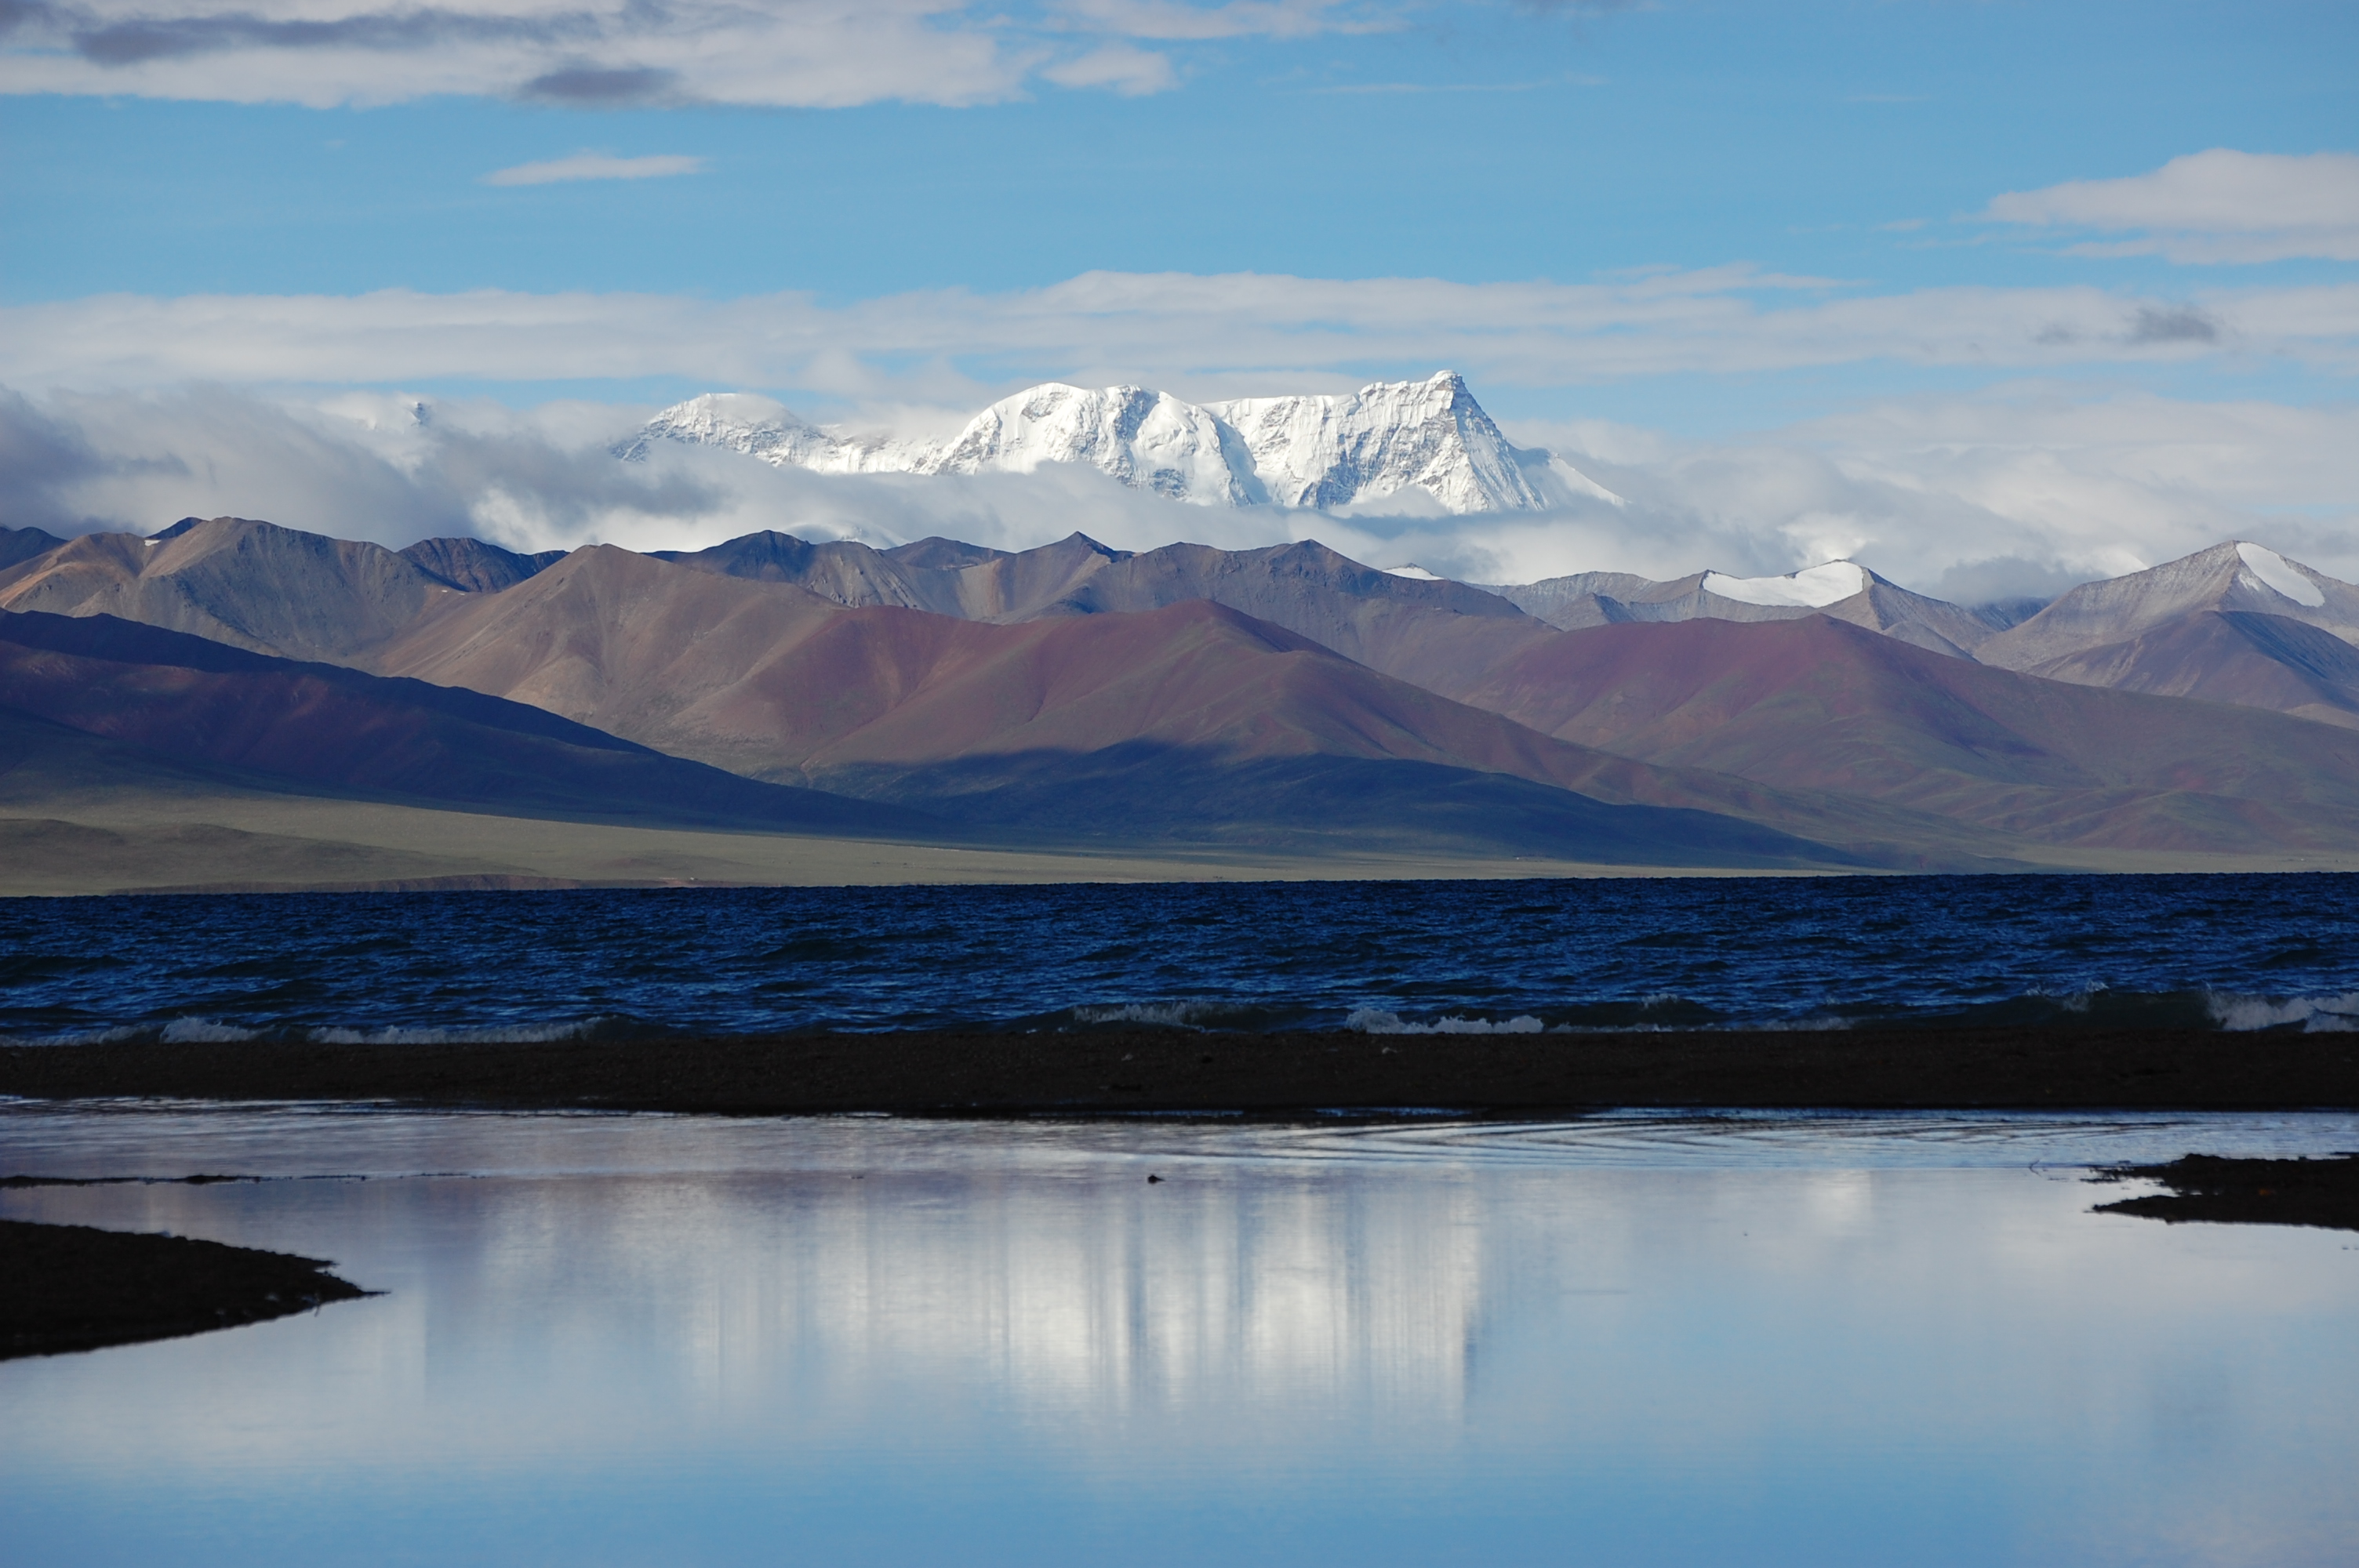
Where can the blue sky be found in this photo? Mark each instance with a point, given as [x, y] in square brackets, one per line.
[920, 184]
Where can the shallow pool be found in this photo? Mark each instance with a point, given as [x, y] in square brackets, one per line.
[1752, 1339]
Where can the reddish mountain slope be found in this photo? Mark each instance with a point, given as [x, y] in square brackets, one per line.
[2236, 656]
[199, 701]
[1431, 634]
[1821, 705]
[769, 680]
[251, 585]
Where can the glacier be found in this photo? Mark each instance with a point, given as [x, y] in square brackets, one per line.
[1423, 444]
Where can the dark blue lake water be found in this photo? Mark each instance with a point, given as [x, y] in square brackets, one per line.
[2239, 951]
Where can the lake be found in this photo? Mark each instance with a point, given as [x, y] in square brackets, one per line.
[2234, 952]
[1632, 1339]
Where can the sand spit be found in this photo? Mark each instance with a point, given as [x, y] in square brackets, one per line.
[1306, 1075]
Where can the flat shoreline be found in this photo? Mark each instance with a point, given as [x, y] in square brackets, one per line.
[1281, 1076]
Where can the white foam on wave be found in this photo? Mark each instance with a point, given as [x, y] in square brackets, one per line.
[512, 1034]
[2316, 1014]
[121, 1031]
[1375, 1021]
[1170, 1014]
[204, 1032]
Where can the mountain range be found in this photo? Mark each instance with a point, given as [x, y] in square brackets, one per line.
[1285, 700]
[1426, 441]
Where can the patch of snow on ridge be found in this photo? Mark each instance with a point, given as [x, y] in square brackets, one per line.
[1415, 571]
[2276, 572]
[1813, 587]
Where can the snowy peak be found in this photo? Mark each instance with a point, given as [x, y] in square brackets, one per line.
[1389, 437]
[777, 435]
[1423, 444]
[1148, 440]
[2234, 576]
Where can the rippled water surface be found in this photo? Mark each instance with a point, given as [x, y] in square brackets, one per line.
[2244, 951]
[1635, 1339]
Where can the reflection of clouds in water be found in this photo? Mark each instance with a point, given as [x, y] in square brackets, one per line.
[1075, 1303]
[1350, 1334]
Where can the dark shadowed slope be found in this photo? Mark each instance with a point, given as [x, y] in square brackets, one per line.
[939, 575]
[1192, 720]
[1821, 705]
[23, 543]
[251, 585]
[2234, 656]
[474, 567]
[191, 700]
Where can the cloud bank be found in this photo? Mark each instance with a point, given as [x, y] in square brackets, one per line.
[2216, 206]
[1973, 499]
[812, 54]
[1228, 335]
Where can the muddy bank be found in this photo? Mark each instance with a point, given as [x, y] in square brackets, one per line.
[1171, 1070]
[2207, 1187]
[71, 1287]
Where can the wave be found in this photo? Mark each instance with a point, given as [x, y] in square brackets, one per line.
[2316, 1014]
[1375, 1021]
[2093, 1006]
[208, 1032]
[507, 1034]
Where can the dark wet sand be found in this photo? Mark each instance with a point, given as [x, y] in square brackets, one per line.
[1292, 1074]
[69, 1287]
[2209, 1188]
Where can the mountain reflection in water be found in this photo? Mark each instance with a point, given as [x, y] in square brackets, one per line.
[661, 1339]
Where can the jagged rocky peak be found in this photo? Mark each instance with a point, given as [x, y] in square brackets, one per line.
[1422, 443]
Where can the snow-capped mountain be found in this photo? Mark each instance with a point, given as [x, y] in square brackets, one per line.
[761, 429]
[1148, 440]
[1322, 451]
[1416, 442]
[1844, 589]
[2235, 576]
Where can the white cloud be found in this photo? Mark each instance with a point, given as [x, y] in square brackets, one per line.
[1203, 336]
[1174, 19]
[798, 53]
[595, 166]
[2216, 206]
[1133, 72]
[2021, 491]
[805, 53]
